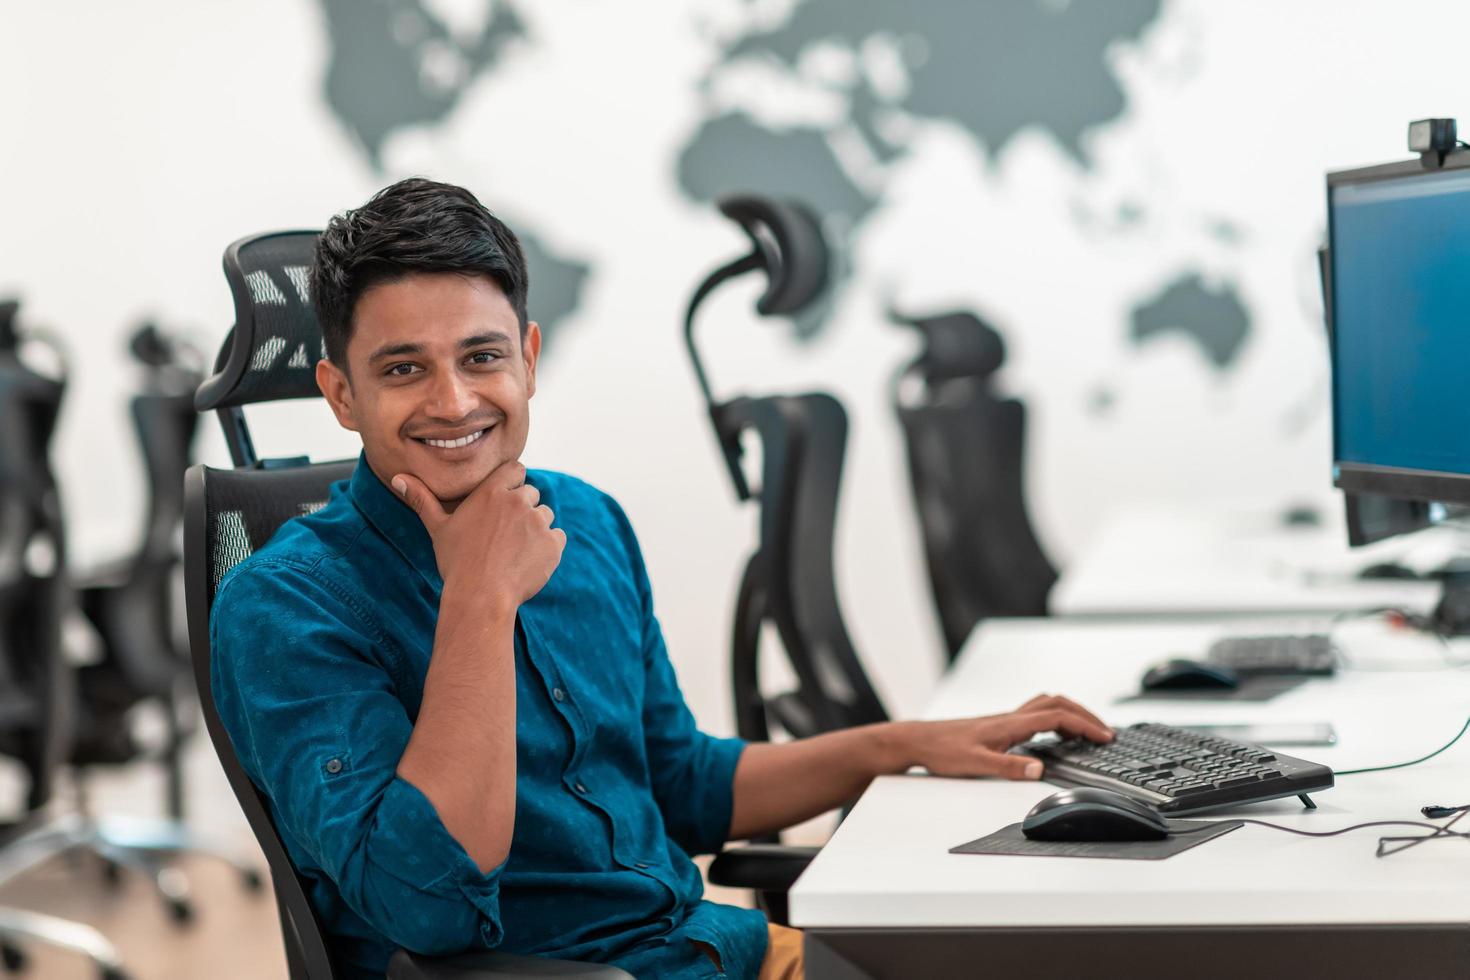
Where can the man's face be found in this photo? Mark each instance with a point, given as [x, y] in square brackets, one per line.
[439, 380]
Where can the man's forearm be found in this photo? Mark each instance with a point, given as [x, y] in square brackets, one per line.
[777, 785]
[462, 754]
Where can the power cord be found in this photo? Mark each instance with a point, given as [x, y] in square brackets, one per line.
[1408, 842]
[1413, 762]
[1433, 812]
[1439, 830]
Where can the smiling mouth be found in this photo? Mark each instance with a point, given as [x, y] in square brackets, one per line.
[454, 443]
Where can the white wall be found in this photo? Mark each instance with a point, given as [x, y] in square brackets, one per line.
[137, 139]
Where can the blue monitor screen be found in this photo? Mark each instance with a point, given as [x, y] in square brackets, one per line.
[1401, 322]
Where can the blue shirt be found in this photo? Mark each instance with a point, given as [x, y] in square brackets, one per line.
[321, 641]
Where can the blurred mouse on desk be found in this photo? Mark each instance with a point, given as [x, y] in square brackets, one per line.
[1388, 570]
[1180, 674]
[1301, 515]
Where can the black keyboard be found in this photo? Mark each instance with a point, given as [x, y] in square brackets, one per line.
[1307, 653]
[1179, 771]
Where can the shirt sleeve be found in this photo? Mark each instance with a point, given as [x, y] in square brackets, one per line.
[693, 773]
[300, 680]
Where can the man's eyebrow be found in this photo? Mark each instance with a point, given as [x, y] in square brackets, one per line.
[399, 350]
[494, 337]
[395, 350]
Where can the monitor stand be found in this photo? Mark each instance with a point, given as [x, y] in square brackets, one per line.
[1451, 616]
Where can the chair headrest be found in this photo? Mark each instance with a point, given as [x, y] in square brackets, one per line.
[789, 239]
[956, 345]
[271, 352]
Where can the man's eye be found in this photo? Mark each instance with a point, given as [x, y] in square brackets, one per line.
[484, 357]
[401, 370]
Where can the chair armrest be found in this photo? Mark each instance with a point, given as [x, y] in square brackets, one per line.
[491, 965]
[763, 867]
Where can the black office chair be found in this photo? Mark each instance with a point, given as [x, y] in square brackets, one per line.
[36, 685]
[966, 449]
[231, 513]
[789, 580]
[132, 607]
[131, 604]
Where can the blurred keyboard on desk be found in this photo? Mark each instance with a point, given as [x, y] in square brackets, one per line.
[1306, 653]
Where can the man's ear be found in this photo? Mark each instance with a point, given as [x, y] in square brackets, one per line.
[337, 389]
[530, 352]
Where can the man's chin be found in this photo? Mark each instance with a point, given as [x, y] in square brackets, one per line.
[451, 488]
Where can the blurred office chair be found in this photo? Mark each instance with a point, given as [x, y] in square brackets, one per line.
[132, 607]
[269, 356]
[36, 685]
[131, 603]
[789, 581]
[966, 449]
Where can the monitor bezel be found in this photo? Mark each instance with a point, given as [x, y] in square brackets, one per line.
[1408, 484]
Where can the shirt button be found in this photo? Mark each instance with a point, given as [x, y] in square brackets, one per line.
[580, 789]
[334, 766]
[558, 694]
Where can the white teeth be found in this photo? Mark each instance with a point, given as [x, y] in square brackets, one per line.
[454, 443]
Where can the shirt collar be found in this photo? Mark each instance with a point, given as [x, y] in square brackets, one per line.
[394, 520]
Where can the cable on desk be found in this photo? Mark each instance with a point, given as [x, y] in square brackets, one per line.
[1439, 830]
[1414, 621]
[1412, 762]
[1409, 842]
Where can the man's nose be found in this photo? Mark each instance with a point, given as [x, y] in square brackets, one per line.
[450, 397]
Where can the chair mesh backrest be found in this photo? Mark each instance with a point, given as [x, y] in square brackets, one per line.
[803, 441]
[273, 349]
[228, 515]
[245, 508]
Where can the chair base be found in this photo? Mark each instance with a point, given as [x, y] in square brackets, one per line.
[136, 844]
[18, 926]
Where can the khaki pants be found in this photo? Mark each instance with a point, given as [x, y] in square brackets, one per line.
[784, 959]
[783, 955]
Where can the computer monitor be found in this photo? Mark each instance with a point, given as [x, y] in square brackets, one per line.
[1398, 306]
[1370, 517]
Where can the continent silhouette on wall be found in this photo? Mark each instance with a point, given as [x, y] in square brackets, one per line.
[394, 64]
[734, 155]
[1215, 319]
[996, 68]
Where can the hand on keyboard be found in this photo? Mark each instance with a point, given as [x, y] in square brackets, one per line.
[978, 746]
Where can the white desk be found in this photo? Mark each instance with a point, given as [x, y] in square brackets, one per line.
[885, 899]
[1222, 559]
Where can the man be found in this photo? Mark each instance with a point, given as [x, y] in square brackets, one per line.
[450, 682]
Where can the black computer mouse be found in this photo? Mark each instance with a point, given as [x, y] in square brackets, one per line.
[1189, 675]
[1091, 814]
[1301, 515]
[1388, 569]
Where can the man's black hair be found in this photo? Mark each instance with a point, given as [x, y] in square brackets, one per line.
[415, 225]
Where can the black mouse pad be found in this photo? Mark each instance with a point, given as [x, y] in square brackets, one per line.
[1010, 840]
[1262, 687]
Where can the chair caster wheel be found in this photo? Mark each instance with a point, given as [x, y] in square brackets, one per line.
[111, 873]
[181, 911]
